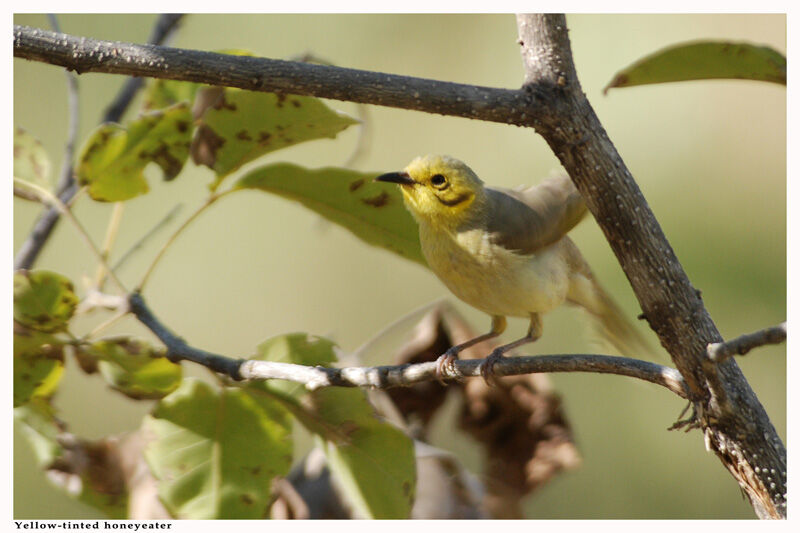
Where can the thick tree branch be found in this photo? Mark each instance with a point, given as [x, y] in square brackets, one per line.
[67, 188]
[272, 75]
[383, 377]
[735, 424]
[720, 351]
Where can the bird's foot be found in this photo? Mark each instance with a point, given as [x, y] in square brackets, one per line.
[487, 367]
[446, 366]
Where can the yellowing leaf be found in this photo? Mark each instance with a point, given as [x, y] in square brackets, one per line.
[237, 126]
[43, 300]
[31, 162]
[135, 368]
[113, 159]
[373, 212]
[704, 60]
[38, 364]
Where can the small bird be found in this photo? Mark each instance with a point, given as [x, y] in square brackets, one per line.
[505, 252]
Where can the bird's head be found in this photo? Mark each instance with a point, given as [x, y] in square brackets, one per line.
[438, 188]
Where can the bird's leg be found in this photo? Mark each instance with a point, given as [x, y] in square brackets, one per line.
[534, 332]
[445, 364]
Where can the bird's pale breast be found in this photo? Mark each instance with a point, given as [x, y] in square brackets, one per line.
[493, 279]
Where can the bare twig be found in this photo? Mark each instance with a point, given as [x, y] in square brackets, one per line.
[400, 375]
[111, 235]
[720, 351]
[208, 203]
[50, 199]
[382, 377]
[67, 188]
[177, 348]
[152, 231]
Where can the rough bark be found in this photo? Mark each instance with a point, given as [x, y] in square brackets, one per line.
[734, 423]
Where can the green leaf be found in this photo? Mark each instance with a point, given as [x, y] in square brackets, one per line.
[373, 460]
[135, 368]
[87, 470]
[296, 348]
[113, 159]
[38, 424]
[237, 126]
[38, 364]
[31, 162]
[374, 212]
[43, 300]
[216, 452]
[162, 93]
[704, 60]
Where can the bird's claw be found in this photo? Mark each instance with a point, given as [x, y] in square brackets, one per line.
[446, 366]
[487, 367]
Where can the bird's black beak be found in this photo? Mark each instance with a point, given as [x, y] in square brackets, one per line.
[401, 178]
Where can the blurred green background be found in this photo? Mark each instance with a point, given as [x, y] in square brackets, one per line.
[710, 158]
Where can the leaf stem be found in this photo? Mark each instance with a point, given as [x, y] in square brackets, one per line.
[49, 198]
[208, 203]
[111, 234]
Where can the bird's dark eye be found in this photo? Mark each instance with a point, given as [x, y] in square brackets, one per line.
[438, 181]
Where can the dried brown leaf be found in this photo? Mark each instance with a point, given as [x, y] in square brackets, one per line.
[520, 422]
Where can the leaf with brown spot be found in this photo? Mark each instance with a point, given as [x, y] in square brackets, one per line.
[43, 300]
[704, 60]
[91, 471]
[379, 200]
[38, 364]
[134, 368]
[373, 212]
[113, 159]
[252, 124]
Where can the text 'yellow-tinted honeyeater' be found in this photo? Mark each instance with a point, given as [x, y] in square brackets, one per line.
[505, 252]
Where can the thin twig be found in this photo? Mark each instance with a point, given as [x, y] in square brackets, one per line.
[177, 348]
[720, 351]
[152, 231]
[111, 235]
[67, 188]
[209, 201]
[404, 375]
[52, 200]
[399, 375]
[73, 106]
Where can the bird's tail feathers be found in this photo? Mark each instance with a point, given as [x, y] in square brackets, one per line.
[613, 325]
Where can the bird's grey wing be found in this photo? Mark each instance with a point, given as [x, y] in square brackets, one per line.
[528, 219]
